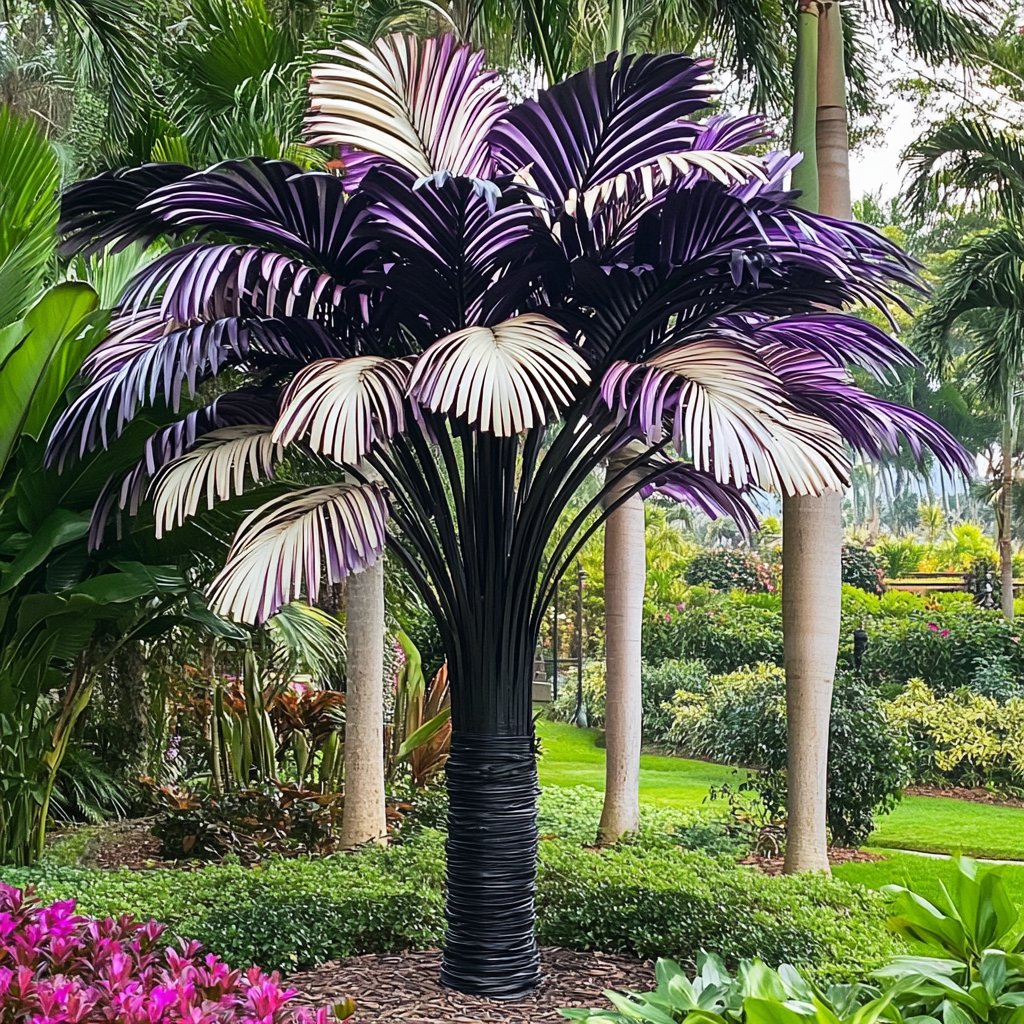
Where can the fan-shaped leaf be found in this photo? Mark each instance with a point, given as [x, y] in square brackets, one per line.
[286, 547]
[427, 105]
[503, 380]
[342, 407]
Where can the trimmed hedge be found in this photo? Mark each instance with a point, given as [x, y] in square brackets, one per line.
[647, 899]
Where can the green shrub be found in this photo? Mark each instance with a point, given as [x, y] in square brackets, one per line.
[900, 555]
[659, 685]
[741, 719]
[643, 897]
[862, 569]
[729, 569]
[724, 637]
[673, 902]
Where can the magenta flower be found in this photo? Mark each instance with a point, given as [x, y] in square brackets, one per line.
[59, 967]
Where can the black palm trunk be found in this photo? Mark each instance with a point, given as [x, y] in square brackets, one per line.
[490, 948]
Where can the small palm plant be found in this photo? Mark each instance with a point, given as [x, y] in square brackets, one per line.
[489, 302]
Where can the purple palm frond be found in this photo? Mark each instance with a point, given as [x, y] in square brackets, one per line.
[609, 120]
[426, 105]
[222, 280]
[140, 365]
[468, 260]
[265, 203]
[843, 340]
[108, 209]
[686, 485]
[872, 425]
[289, 545]
[730, 415]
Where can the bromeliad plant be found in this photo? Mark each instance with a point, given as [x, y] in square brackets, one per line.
[488, 302]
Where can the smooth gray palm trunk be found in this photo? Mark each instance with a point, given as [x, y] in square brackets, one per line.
[363, 817]
[625, 556]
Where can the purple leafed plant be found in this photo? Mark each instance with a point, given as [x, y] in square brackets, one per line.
[58, 967]
[440, 344]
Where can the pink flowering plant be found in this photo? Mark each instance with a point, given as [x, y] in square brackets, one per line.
[59, 967]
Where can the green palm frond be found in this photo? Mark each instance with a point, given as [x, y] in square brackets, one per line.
[967, 155]
[938, 30]
[29, 181]
[306, 640]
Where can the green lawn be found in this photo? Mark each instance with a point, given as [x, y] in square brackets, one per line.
[926, 873]
[933, 824]
[570, 758]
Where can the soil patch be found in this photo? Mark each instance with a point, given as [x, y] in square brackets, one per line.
[974, 796]
[130, 844]
[405, 987]
[837, 855]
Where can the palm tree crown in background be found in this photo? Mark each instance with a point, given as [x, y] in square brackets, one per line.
[489, 302]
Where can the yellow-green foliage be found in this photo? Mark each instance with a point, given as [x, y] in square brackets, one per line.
[965, 732]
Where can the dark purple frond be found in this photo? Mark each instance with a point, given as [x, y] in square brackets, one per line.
[680, 482]
[140, 366]
[108, 209]
[843, 340]
[872, 425]
[469, 256]
[609, 120]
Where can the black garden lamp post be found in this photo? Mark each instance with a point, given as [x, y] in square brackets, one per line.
[581, 707]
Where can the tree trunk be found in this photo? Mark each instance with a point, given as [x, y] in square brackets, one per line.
[625, 556]
[812, 526]
[490, 948]
[363, 819]
[1006, 508]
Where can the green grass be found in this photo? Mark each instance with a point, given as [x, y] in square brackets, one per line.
[570, 758]
[944, 825]
[931, 824]
[925, 872]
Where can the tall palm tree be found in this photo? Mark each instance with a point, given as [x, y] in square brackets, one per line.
[494, 300]
[982, 163]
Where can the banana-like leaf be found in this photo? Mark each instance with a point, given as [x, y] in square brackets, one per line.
[426, 732]
[503, 380]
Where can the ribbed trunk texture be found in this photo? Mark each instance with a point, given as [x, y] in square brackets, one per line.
[625, 557]
[812, 526]
[490, 948]
[363, 818]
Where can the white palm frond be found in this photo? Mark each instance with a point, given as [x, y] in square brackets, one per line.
[219, 467]
[341, 407]
[290, 545]
[502, 379]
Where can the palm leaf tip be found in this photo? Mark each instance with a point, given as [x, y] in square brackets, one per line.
[428, 106]
[506, 379]
[292, 544]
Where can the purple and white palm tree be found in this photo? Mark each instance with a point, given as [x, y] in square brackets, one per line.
[488, 302]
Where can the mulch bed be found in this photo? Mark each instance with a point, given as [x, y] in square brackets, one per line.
[836, 855]
[130, 844]
[405, 987]
[974, 796]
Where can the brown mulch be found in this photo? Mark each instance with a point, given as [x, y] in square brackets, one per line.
[974, 796]
[129, 844]
[836, 855]
[405, 987]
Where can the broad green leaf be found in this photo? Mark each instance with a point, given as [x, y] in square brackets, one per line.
[28, 388]
[424, 733]
[60, 527]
